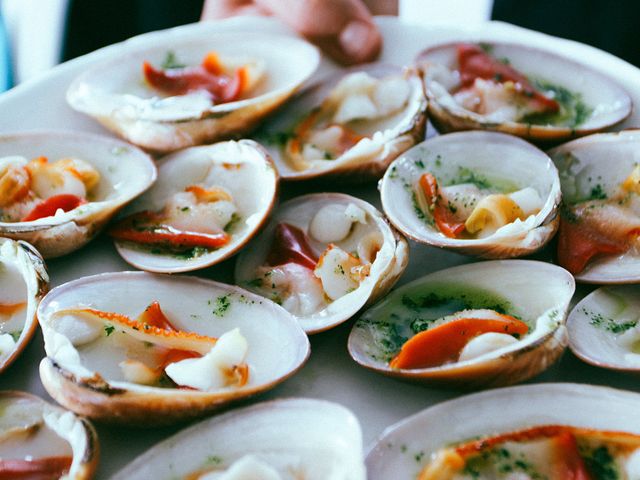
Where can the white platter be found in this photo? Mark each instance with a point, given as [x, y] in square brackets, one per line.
[330, 373]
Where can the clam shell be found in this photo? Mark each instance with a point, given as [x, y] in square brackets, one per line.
[61, 433]
[365, 160]
[534, 291]
[387, 267]
[115, 94]
[601, 161]
[446, 156]
[91, 383]
[406, 447]
[603, 328]
[328, 446]
[125, 172]
[610, 104]
[23, 279]
[243, 168]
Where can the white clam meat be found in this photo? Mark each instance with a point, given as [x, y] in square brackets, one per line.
[532, 93]
[23, 282]
[604, 328]
[285, 439]
[349, 126]
[252, 74]
[143, 348]
[483, 324]
[600, 178]
[607, 417]
[58, 189]
[323, 257]
[480, 207]
[208, 202]
[39, 440]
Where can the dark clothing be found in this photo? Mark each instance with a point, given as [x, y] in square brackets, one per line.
[611, 26]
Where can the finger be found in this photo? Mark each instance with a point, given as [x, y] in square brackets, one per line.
[342, 28]
[218, 9]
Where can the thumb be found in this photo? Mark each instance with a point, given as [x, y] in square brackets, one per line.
[344, 29]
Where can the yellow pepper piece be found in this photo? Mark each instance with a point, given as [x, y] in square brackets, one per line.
[632, 182]
[494, 211]
[214, 194]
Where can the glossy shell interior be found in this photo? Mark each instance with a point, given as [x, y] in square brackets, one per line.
[57, 433]
[602, 328]
[389, 263]
[89, 381]
[242, 168]
[608, 102]
[23, 280]
[538, 293]
[601, 161]
[406, 447]
[495, 158]
[328, 446]
[115, 94]
[125, 172]
[364, 161]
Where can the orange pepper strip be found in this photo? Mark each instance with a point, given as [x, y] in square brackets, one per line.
[442, 344]
[46, 468]
[139, 228]
[577, 245]
[8, 309]
[154, 316]
[569, 464]
[445, 221]
[49, 206]
[290, 244]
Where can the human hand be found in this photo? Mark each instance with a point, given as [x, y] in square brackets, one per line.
[343, 29]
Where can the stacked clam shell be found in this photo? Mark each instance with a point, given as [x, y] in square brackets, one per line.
[23, 282]
[39, 440]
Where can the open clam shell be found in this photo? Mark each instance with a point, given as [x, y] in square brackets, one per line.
[296, 438]
[34, 432]
[125, 172]
[301, 140]
[84, 368]
[242, 169]
[483, 163]
[593, 169]
[114, 92]
[323, 300]
[23, 282]
[536, 293]
[593, 101]
[405, 448]
[603, 328]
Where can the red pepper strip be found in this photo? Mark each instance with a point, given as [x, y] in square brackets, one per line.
[8, 309]
[442, 344]
[139, 229]
[445, 220]
[49, 206]
[47, 468]
[154, 316]
[569, 465]
[290, 244]
[222, 88]
[473, 62]
[577, 245]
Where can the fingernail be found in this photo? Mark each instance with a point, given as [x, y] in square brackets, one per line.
[360, 41]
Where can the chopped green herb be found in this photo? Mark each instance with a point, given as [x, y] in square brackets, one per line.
[598, 193]
[235, 220]
[419, 163]
[609, 324]
[255, 283]
[171, 61]
[109, 329]
[221, 306]
[16, 335]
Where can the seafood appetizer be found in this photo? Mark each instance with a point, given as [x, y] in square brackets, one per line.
[133, 347]
[264, 441]
[39, 441]
[483, 324]
[600, 220]
[548, 431]
[604, 328]
[192, 85]
[23, 282]
[208, 202]
[58, 189]
[479, 193]
[348, 126]
[531, 93]
[323, 257]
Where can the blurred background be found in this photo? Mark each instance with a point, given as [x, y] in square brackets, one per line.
[37, 34]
